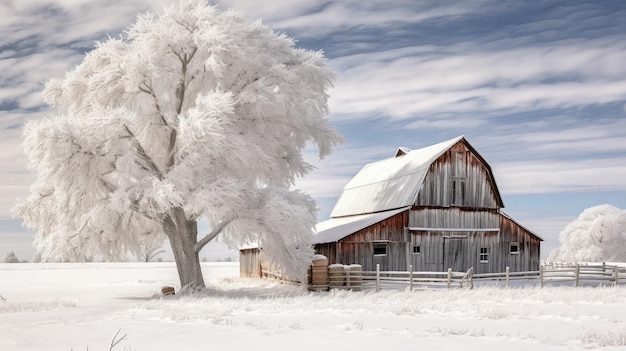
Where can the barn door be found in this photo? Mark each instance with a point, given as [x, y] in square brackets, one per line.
[455, 254]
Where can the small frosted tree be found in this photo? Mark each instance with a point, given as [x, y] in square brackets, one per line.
[11, 258]
[151, 247]
[192, 113]
[598, 234]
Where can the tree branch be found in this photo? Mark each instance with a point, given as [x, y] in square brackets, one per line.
[153, 167]
[207, 239]
[148, 90]
[180, 94]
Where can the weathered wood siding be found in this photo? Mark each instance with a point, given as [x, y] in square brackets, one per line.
[358, 248]
[453, 218]
[437, 250]
[440, 250]
[528, 256]
[459, 250]
[250, 263]
[459, 178]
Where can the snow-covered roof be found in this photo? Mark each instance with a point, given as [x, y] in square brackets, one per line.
[390, 183]
[335, 229]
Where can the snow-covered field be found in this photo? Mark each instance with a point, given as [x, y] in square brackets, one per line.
[79, 306]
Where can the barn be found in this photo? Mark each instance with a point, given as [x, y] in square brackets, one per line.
[433, 208]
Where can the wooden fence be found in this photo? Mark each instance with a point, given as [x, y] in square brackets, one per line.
[363, 280]
[549, 273]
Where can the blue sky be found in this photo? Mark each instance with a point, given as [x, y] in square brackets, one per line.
[538, 88]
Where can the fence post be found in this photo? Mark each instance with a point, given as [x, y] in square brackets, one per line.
[410, 277]
[603, 266]
[577, 274]
[347, 271]
[541, 275]
[449, 277]
[378, 277]
[616, 275]
[507, 276]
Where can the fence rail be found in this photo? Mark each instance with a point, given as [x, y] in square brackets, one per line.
[578, 274]
[357, 280]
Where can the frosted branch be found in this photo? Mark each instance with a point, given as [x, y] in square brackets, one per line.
[148, 90]
[214, 233]
[142, 152]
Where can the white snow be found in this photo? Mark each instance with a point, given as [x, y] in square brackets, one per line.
[75, 306]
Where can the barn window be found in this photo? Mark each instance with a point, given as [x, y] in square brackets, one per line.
[458, 192]
[459, 165]
[417, 250]
[514, 248]
[484, 255]
[380, 249]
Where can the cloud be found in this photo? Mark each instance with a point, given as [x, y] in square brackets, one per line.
[270, 11]
[533, 177]
[414, 82]
[350, 14]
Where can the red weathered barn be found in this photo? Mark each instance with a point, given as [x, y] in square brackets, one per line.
[434, 208]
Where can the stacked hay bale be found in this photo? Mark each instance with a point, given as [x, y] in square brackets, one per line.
[318, 273]
[336, 276]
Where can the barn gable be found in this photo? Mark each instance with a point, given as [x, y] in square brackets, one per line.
[399, 181]
[460, 177]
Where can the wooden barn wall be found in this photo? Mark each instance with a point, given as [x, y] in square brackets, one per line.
[528, 258]
[358, 248]
[458, 181]
[250, 263]
[453, 218]
[440, 250]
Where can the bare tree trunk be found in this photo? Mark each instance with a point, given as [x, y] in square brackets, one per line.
[183, 236]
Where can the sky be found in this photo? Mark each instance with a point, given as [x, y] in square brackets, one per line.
[538, 88]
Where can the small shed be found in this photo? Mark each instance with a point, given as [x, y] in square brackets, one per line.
[433, 208]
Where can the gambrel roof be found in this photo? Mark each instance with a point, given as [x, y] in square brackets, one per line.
[395, 182]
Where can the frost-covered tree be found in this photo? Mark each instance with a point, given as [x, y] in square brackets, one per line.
[598, 234]
[151, 248]
[11, 258]
[192, 113]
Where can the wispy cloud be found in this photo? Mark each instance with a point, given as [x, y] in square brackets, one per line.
[354, 14]
[428, 82]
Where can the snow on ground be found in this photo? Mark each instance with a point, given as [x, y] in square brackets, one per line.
[79, 306]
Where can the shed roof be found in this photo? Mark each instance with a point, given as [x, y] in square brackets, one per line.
[335, 229]
[390, 183]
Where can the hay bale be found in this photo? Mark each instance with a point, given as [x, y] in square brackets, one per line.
[318, 273]
[336, 276]
[320, 260]
[167, 290]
